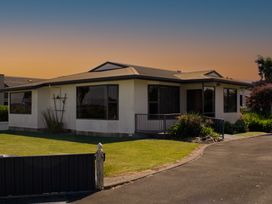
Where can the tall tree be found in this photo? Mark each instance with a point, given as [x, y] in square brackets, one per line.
[265, 68]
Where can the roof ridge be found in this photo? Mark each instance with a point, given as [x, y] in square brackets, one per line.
[134, 65]
[204, 70]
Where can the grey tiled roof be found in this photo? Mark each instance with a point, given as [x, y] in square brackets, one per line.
[127, 71]
[12, 81]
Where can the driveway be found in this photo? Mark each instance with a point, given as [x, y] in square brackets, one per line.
[231, 172]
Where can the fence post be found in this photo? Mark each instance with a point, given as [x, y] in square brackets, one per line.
[99, 160]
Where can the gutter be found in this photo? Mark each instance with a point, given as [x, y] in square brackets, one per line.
[79, 81]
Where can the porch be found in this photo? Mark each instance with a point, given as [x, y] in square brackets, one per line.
[160, 123]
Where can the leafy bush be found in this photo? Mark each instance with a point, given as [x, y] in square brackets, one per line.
[193, 125]
[260, 99]
[257, 122]
[3, 113]
[51, 121]
[240, 126]
[188, 125]
[229, 128]
[209, 132]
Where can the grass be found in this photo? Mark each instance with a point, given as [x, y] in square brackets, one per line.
[249, 134]
[123, 155]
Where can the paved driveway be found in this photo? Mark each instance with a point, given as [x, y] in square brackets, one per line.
[232, 172]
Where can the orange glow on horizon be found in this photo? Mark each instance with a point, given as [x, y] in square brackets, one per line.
[30, 57]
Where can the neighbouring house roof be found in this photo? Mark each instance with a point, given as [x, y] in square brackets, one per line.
[12, 81]
[119, 71]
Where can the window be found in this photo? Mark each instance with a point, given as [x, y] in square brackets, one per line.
[230, 100]
[209, 101]
[194, 101]
[5, 98]
[97, 102]
[163, 99]
[21, 102]
[241, 100]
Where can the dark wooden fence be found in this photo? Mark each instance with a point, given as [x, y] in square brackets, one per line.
[32, 175]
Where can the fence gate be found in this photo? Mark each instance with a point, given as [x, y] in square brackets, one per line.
[32, 175]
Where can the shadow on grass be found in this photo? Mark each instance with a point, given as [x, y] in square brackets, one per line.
[70, 137]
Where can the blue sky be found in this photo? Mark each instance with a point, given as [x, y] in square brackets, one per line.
[174, 32]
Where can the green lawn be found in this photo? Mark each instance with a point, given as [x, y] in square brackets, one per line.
[123, 155]
[249, 134]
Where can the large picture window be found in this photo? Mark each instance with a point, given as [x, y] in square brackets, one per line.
[230, 100]
[163, 99]
[97, 102]
[21, 102]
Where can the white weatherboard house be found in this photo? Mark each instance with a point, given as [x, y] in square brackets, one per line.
[123, 99]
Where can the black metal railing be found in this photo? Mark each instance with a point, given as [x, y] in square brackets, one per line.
[154, 123]
[160, 123]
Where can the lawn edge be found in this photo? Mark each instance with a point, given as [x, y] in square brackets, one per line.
[115, 181]
[111, 182]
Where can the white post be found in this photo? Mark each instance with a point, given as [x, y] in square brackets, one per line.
[100, 157]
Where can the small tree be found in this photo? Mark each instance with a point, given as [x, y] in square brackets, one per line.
[265, 68]
[260, 99]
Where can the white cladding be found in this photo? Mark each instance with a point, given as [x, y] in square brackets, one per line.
[133, 98]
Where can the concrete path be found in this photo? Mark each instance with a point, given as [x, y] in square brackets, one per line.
[231, 172]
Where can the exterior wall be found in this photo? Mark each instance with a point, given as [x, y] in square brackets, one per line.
[133, 98]
[219, 100]
[3, 126]
[26, 120]
[125, 124]
[219, 104]
[245, 93]
[42, 99]
[141, 94]
[1, 87]
[141, 103]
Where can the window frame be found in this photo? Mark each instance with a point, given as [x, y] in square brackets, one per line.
[158, 100]
[209, 114]
[10, 103]
[107, 102]
[227, 108]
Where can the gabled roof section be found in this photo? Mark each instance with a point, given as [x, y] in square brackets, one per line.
[108, 66]
[214, 73]
[204, 74]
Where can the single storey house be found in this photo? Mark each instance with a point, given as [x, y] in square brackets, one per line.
[116, 98]
[11, 81]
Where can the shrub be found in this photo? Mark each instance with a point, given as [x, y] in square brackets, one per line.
[51, 121]
[193, 125]
[3, 113]
[188, 125]
[240, 126]
[229, 128]
[209, 132]
[257, 122]
[260, 99]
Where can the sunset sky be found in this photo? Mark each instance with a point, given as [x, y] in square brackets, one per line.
[48, 38]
